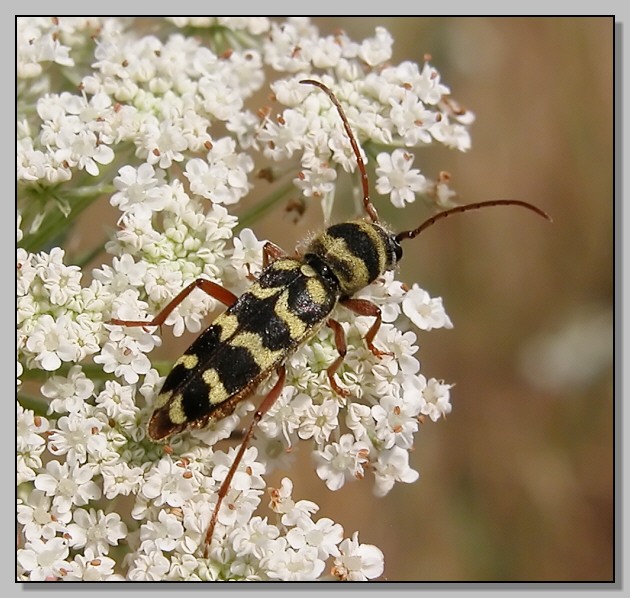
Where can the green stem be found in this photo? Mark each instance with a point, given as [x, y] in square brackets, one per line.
[55, 223]
[35, 404]
[92, 370]
[262, 207]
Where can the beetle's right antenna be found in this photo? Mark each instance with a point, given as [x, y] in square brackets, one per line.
[367, 204]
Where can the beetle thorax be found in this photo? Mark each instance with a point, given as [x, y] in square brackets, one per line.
[356, 253]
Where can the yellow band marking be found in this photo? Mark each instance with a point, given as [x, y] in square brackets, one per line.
[228, 324]
[377, 242]
[261, 293]
[216, 390]
[188, 361]
[264, 358]
[162, 399]
[297, 328]
[337, 247]
[286, 264]
[176, 411]
[316, 291]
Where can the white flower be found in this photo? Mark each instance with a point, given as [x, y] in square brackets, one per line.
[319, 421]
[428, 86]
[61, 282]
[44, 560]
[210, 181]
[426, 313]
[68, 394]
[248, 251]
[124, 353]
[318, 181]
[256, 538]
[358, 562]
[162, 535]
[148, 567]
[397, 178]
[161, 143]
[166, 484]
[243, 495]
[452, 135]
[437, 399]
[220, 101]
[377, 50]
[91, 566]
[76, 436]
[387, 293]
[95, 531]
[294, 565]
[117, 401]
[37, 45]
[281, 140]
[392, 466]
[360, 420]
[83, 149]
[53, 341]
[39, 518]
[184, 567]
[248, 474]
[285, 416]
[412, 119]
[282, 503]
[69, 486]
[323, 535]
[341, 461]
[120, 478]
[30, 430]
[138, 186]
[396, 421]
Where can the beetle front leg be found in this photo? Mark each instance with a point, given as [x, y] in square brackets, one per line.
[211, 288]
[272, 252]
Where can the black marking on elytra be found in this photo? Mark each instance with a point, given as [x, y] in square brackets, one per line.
[236, 367]
[301, 303]
[203, 347]
[195, 400]
[274, 277]
[259, 316]
[206, 343]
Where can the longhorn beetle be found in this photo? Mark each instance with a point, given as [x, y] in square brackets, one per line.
[285, 306]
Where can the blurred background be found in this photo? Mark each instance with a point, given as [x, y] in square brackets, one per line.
[517, 483]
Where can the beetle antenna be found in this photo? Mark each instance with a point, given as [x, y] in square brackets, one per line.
[367, 204]
[412, 234]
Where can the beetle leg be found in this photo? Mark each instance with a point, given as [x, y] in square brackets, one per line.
[363, 307]
[272, 252]
[340, 343]
[266, 404]
[211, 288]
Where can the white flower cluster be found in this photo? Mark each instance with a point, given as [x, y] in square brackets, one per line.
[401, 105]
[97, 500]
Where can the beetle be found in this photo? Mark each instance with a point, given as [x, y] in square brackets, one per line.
[285, 306]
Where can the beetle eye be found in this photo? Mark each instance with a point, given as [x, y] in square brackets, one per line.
[398, 252]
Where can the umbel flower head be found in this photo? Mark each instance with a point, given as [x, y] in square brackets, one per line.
[163, 127]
